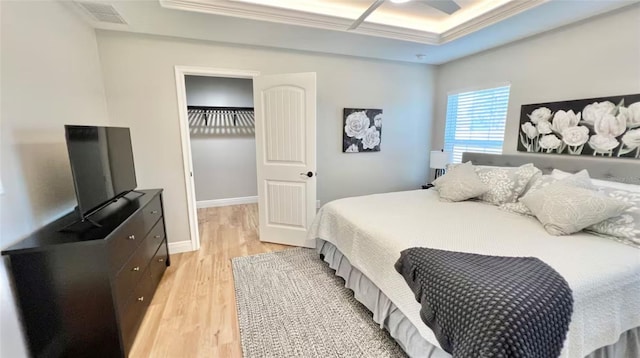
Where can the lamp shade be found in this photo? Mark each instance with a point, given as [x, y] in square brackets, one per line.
[439, 159]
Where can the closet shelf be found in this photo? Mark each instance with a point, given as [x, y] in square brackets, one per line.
[210, 121]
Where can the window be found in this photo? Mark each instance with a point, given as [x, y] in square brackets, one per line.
[475, 121]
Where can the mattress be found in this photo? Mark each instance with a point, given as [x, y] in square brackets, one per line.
[372, 230]
[405, 333]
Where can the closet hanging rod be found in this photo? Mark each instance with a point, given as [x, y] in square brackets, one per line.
[215, 108]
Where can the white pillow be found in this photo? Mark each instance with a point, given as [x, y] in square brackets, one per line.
[460, 183]
[580, 179]
[559, 174]
[615, 185]
[563, 209]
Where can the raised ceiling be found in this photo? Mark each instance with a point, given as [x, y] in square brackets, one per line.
[392, 32]
[414, 20]
[415, 14]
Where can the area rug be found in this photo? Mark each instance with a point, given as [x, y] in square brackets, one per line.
[291, 304]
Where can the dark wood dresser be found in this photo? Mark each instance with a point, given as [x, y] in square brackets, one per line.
[83, 290]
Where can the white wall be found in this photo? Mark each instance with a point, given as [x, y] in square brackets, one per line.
[595, 58]
[50, 77]
[141, 92]
[224, 166]
[219, 91]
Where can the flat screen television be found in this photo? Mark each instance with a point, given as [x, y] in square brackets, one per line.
[101, 163]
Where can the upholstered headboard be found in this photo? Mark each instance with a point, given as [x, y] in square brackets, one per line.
[624, 170]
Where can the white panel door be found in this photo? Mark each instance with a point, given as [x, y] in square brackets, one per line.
[285, 115]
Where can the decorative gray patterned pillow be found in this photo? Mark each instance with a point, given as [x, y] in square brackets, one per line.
[580, 179]
[506, 184]
[563, 209]
[460, 183]
[624, 228]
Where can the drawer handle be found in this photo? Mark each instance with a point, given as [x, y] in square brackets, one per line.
[137, 268]
[141, 298]
[132, 237]
[154, 211]
[160, 260]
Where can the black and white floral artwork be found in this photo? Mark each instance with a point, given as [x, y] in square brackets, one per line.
[608, 127]
[362, 130]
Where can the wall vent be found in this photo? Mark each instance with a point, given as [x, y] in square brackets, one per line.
[101, 12]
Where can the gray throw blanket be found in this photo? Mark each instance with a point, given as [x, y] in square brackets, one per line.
[489, 306]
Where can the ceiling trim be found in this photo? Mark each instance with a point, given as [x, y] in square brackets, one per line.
[293, 17]
[489, 18]
[398, 33]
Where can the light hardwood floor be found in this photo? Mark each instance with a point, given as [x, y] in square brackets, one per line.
[193, 313]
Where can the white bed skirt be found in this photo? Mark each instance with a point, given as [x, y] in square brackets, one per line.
[405, 333]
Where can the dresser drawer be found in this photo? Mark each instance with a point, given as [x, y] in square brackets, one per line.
[129, 275]
[132, 316]
[123, 242]
[151, 213]
[158, 265]
[155, 238]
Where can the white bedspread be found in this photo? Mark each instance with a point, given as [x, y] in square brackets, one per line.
[372, 230]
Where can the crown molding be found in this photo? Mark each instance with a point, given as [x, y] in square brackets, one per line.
[293, 17]
[398, 33]
[489, 18]
[258, 12]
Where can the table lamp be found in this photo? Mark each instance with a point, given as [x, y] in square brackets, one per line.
[438, 161]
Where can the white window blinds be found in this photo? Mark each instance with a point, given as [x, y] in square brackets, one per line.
[475, 121]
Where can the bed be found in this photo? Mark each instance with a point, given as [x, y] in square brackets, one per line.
[361, 238]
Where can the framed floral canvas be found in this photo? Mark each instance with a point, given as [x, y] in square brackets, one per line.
[608, 127]
[362, 130]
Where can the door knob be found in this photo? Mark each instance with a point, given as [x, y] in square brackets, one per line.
[308, 174]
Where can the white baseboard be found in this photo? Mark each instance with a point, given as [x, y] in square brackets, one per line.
[180, 246]
[226, 202]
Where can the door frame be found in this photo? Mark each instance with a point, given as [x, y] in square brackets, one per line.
[187, 163]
